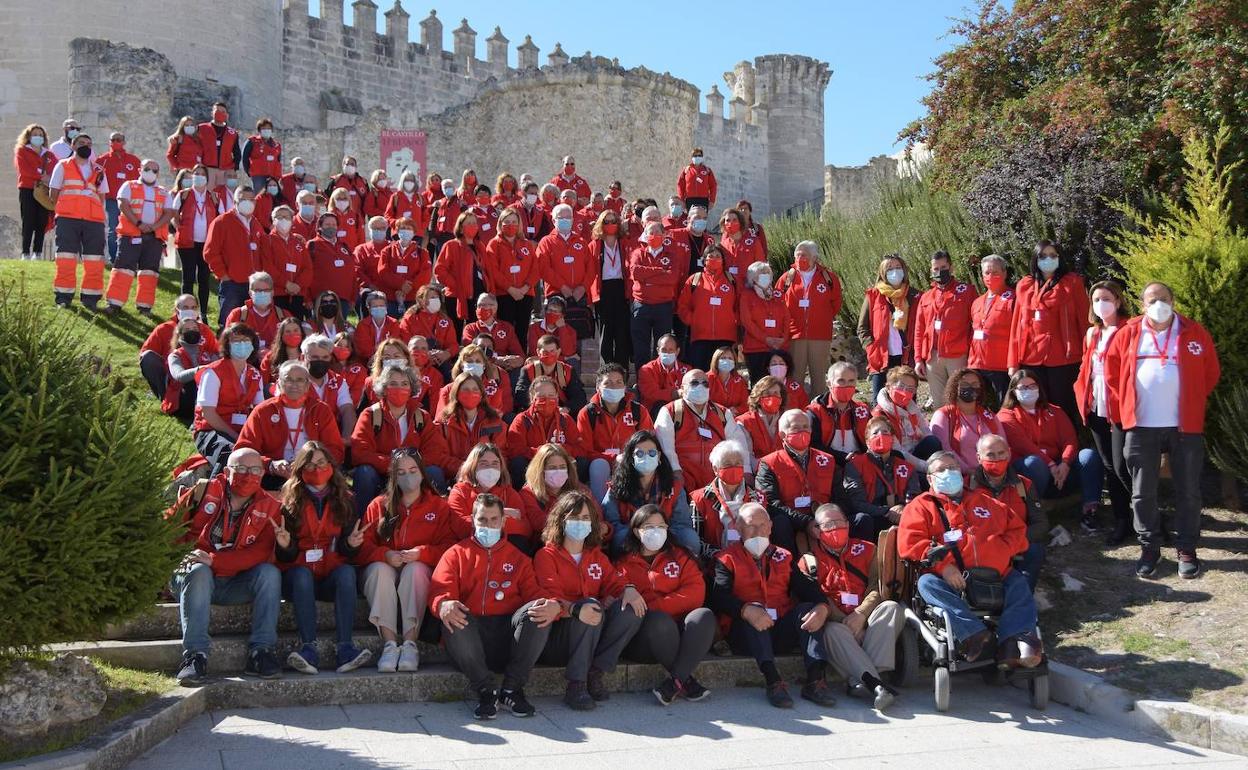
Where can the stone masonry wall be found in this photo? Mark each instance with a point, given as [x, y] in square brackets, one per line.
[737, 152]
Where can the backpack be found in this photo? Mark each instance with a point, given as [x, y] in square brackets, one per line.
[378, 419]
[678, 413]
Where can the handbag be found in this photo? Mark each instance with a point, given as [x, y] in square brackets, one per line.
[43, 196]
[985, 590]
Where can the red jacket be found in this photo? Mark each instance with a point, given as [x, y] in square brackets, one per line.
[329, 389]
[318, 534]
[535, 223]
[708, 306]
[991, 534]
[1048, 324]
[31, 166]
[376, 436]
[463, 496]
[577, 183]
[655, 278]
[376, 201]
[879, 319]
[740, 254]
[603, 434]
[161, 341]
[185, 153]
[289, 260]
[836, 575]
[425, 524]
[497, 393]
[443, 214]
[368, 335]
[264, 157]
[826, 420]
[350, 227]
[603, 261]
[367, 258]
[268, 432]
[487, 225]
[172, 399]
[812, 309]
[529, 431]
[734, 395]
[355, 186]
[768, 586]
[399, 265]
[218, 154]
[562, 578]
[942, 322]
[291, 187]
[251, 541]
[333, 269]
[803, 490]
[304, 228]
[410, 206]
[235, 249]
[435, 327]
[460, 439]
[991, 321]
[235, 397]
[119, 167]
[1199, 371]
[876, 487]
[697, 182]
[695, 437]
[468, 573]
[762, 319]
[565, 334]
[511, 265]
[564, 262]
[264, 325]
[503, 334]
[1048, 433]
[656, 383]
[454, 269]
[671, 583]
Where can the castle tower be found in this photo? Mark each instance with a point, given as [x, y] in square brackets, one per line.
[788, 91]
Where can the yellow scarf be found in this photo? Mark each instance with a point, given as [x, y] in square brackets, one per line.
[899, 301]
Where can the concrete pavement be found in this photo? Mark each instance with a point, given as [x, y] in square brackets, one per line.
[733, 728]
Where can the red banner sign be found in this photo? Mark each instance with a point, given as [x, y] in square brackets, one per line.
[403, 151]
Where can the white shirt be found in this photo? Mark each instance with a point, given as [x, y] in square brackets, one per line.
[199, 230]
[344, 395]
[1099, 391]
[612, 264]
[895, 343]
[665, 430]
[61, 148]
[148, 215]
[1157, 386]
[84, 169]
[292, 422]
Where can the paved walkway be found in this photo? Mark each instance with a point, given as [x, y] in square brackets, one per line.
[733, 728]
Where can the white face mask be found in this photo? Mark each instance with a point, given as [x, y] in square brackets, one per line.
[1104, 308]
[409, 185]
[488, 477]
[698, 395]
[382, 184]
[342, 204]
[187, 313]
[245, 207]
[433, 305]
[653, 538]
[474, 368]
[763, 280]
[778, 371]
[757, 546]
[348, 169]
[1159, 312]
[149, 177]
[282, 225]
[530, 200]
[895, 277]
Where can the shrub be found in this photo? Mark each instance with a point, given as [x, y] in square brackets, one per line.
[82, 540]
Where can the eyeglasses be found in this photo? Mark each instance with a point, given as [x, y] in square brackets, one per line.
[407, 451]
[640, 453]
[696, 383]
[831, 525]
[252, 470]
[318, 464]
[905, 388]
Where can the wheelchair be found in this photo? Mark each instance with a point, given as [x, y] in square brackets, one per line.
[927, 639]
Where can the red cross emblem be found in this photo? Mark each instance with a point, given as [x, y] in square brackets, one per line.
[508, 567]
[857, 549]
[671, 569]
[778, 555]
[667, 241]
[628, 419]
[1194, 348]
[821, 461]
[501, 334]
[594, 571]
[250, 539]
[524, 250]
[725, 288]
[903, 471]
[665, 261]
[982, 513]
[431, 516]
[442, 324]
[576, 246]
[822, 288]
[1007, 294]
[861, 412]
[776, 294]
[961, 289]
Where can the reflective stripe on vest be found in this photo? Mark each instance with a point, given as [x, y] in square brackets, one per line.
[77, 199]
[126, 228]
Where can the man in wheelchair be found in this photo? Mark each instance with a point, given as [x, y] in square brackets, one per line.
[967, 540]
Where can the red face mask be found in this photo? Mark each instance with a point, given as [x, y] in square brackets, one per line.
[995, 468]
[901, 397]
[881, 443]
[117, 146]
[655, 241]
[769, 404]
[510, 229]
[843, 393]
[469, 399]
[420, 357]
[292, 403]
[546, 407]
[995, 282]
[803, 263]
[291, 339]
[317, 477]
[483, 200]
[397, 395]
[836, 539]
[714, 265]
[548, 357]
[470, 231]
[732, 475]
[732, 226]
[551, 319]
[611, 228]
[220, 116]
[569, 170]
[799, 440]
[342, 354]
[244, 484]
[485, 314]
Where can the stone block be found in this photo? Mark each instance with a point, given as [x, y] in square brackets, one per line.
[1178, 720]
[1229, 733]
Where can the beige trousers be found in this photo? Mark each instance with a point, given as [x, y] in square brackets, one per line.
[813, 356]
[397, 594]
[939, 370]
[879, 644]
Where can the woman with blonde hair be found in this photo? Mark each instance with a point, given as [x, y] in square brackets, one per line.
[885, 323]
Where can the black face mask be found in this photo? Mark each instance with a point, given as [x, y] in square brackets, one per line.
[318, 369]
[83, 152]
[968, 395]
[942, 276]
[329, 310]
[192, 337]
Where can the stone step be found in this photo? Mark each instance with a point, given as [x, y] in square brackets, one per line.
[161, 621]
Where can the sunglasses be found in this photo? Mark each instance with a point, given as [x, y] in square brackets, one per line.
[696, 383]
[640, 453]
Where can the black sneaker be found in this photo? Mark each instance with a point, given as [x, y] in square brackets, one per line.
[487, 704]
[517, 703]
[817, 691]
[666, 691]
[1091, 522]
[194, 669]
[778, 695]
[577, 697]
[262, 663]
[596, 686]
[693, 690]
[1146, 567]
[1189, 565]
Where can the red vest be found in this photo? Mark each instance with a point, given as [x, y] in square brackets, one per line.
[266, 157]
[317, 534]
[695, 438]
[234, 398]
[874, 481]
[750, 585]
[826, 420]
[836, 575]
[814, 482]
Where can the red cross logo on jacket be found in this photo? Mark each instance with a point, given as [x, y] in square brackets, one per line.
[671, 569]
[594, 571]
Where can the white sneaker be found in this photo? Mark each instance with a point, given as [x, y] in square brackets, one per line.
[409, 657]
[1028, 654]
[389, 660]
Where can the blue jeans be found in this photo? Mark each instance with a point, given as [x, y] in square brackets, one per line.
[367, 483]
[1018, 617]
[1033, 560]
[599, 477]
[114, 216]
[303, 590]
[1087, 475]
[649, 322]
[199, 589]
[230, 294]
[784, 635]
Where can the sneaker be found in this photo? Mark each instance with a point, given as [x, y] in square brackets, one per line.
[409, 656]
[110, 310]
[883, 698]
[487, 704]
[976, 645]
[691, 689]
[350, 658]
[1146, 567]
[262, 663]
[818, 692]
[856, 689]
[778, 695]
[388, 662]
[1091, 522]
[305, 661]
[577, 697]
[194, 669]
[666, 691]
[1030, 652]
[517, 703]
[1189, 564]
[596, 687]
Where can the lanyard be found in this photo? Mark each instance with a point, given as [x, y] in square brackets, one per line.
[292, 438]
[1163, 347]
[613, 259]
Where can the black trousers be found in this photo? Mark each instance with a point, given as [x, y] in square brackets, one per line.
[509, 644]
[757, 364]
[1059, 386]
[293, 305]
[1117, 478]
[615, 345]
[518, 313]
[34, 222]
[195, 275]
[999, 381]
[700, 352]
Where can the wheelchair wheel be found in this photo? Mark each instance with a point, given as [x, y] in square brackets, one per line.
[1039, 689]
[906, 667]
[941, 686]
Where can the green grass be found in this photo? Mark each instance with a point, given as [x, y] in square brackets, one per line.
[115, 340]
[1153, 646]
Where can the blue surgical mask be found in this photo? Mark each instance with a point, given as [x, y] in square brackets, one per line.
[266, 133]
[895, 276]
[306, 210]
[947, 482]
[406, 236]
[678, 211]
[185, 183]
[698, 394]
[1027, 396]
[272, 189]
[645, 463]
[309, 187]
[262, 298]
[448, 190]
[612, 395]
[378, 313]
[697, 160]
[300, 169]
[726, 365]
[231, 183]
[667, 359]
[564, 226]
[577, 529]
[36, 141]
[241, 351]
[487, 536]
[698, 226]
[1047, 265]
[377, 235]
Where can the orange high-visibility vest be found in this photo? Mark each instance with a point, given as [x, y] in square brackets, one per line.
[137, 200]
[78, 199]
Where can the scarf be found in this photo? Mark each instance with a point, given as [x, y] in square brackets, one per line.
[898, 299]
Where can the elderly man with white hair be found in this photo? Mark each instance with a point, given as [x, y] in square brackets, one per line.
[281, 425]
[654, 274]
[714, 507]
[796, 479]
[812, 293]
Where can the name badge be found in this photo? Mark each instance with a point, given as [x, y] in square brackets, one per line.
[733, 270]
[769, 323]
[1036, 317]
[342, 233]
[268, 157]
[612, 452]
[441, 220]
[136, 241]
[771, 613]
[938, 325]
[291, 268]
[353, 192]
[531, 230]
[716, 301]
[401, 269]
[339, 263]
[569, 260]
[953, 536]
[407, 214]
[979, 334]
[238, 419]
[314, 555]
[485, 226]
[253, 246]
[733, 536]
[121, 175]
[848, 599]
[803, 303]
[514, 269]
[705, 433]
[802, 502]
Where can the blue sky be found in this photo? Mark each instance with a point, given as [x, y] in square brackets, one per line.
[879, 51]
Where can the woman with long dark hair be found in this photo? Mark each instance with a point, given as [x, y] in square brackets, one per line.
[643, 475]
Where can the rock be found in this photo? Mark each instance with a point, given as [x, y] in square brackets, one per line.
[1071, 583]
[37, 696]
[1059, 536]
